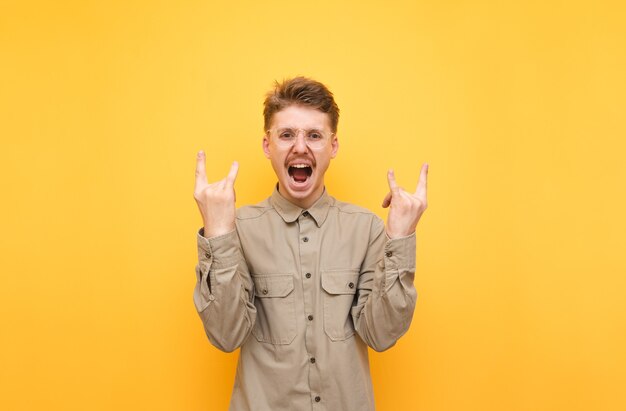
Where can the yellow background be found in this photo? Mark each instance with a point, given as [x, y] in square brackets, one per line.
[518, 107]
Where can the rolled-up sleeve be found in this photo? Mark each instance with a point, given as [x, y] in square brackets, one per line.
[386, 293]
[223, 295]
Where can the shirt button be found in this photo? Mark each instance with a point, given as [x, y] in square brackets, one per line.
[312, 360]
[351, 285]
[305, 214]
[207, 255]
[305, 239]
[265, 291]
[310, 317]
[318, 399]
[308, 275]
[388, 253]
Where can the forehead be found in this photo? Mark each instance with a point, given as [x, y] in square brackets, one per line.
[297, 116]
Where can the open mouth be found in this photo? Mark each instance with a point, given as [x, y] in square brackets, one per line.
[300, 172]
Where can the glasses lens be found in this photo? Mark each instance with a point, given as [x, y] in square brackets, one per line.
[287, 137]
[315, 138]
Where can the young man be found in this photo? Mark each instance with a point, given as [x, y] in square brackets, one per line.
[302, 282]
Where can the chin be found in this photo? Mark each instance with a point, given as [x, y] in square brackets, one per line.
[300, 191]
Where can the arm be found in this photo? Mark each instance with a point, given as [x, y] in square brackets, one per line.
[224, 295]
[386, 294]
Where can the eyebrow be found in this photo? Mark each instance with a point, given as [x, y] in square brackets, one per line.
[303, 128]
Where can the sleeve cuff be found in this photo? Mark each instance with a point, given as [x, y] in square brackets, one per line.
[220, 250]
[399, 253]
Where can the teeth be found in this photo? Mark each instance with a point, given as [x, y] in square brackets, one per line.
[299, 165]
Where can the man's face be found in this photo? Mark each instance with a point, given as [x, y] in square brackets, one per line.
[300, 169]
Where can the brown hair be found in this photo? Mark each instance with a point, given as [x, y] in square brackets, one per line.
[300, 91]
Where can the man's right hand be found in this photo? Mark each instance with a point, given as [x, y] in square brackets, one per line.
[216, 201]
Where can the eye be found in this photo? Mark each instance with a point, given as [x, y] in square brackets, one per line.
[315, 135]
[286, 134]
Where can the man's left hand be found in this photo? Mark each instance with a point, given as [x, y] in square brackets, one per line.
[405, 208]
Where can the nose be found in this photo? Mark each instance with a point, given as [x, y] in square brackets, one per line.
[299, 146]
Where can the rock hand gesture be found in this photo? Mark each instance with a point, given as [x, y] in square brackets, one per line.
[405, 208]
[216, 201]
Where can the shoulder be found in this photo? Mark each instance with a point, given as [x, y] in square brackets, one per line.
[352, 215]
[249, 212]
[348, 209]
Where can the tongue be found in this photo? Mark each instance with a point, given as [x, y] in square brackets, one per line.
[300, 174]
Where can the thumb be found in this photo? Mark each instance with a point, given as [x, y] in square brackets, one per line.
[387, 200]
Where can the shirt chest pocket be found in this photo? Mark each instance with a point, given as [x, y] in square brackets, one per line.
[276, 311]
[339, 295]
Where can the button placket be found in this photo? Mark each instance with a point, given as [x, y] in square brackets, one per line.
[308, 249]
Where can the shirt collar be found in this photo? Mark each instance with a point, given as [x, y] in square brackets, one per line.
[290, 212]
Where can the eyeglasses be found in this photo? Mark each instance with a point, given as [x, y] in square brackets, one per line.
[315, 139]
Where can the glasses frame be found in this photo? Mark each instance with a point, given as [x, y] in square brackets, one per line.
[298, 131]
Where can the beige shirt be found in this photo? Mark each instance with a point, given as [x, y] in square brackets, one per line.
[303, 293]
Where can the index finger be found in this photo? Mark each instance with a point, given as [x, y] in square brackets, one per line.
[391, 179]
[200, 171]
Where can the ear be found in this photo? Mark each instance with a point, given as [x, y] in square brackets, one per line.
[334, 147]
[266, 146]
